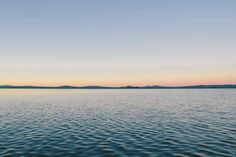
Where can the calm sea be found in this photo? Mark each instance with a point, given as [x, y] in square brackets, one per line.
[87, 123]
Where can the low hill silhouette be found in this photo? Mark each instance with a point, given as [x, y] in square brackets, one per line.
[121, 87]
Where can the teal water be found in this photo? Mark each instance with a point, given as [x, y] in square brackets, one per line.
[165, 123]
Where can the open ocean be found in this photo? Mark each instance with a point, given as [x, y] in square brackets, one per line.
[118, 122]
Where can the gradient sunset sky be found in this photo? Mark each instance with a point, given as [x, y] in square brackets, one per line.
[117, 42]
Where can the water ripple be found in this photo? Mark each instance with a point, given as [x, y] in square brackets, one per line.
[165, 123]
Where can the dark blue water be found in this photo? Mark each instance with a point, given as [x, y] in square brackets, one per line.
[165, 123]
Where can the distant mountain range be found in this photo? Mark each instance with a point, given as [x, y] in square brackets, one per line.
[122, 87]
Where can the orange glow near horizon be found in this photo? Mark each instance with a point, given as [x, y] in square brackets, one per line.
[162, 81]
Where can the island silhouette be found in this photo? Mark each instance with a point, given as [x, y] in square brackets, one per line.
[120, 87]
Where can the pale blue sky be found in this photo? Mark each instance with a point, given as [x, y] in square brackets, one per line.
[117, 42]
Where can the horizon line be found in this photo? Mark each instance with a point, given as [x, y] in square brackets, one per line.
[118, 87]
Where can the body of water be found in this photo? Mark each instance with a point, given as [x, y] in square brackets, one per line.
[130, 122]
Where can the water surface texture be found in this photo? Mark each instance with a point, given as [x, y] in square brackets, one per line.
[165, 123]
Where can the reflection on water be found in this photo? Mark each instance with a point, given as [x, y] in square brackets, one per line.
[192, 122]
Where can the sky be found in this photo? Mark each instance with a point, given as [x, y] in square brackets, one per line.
[117, 42]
